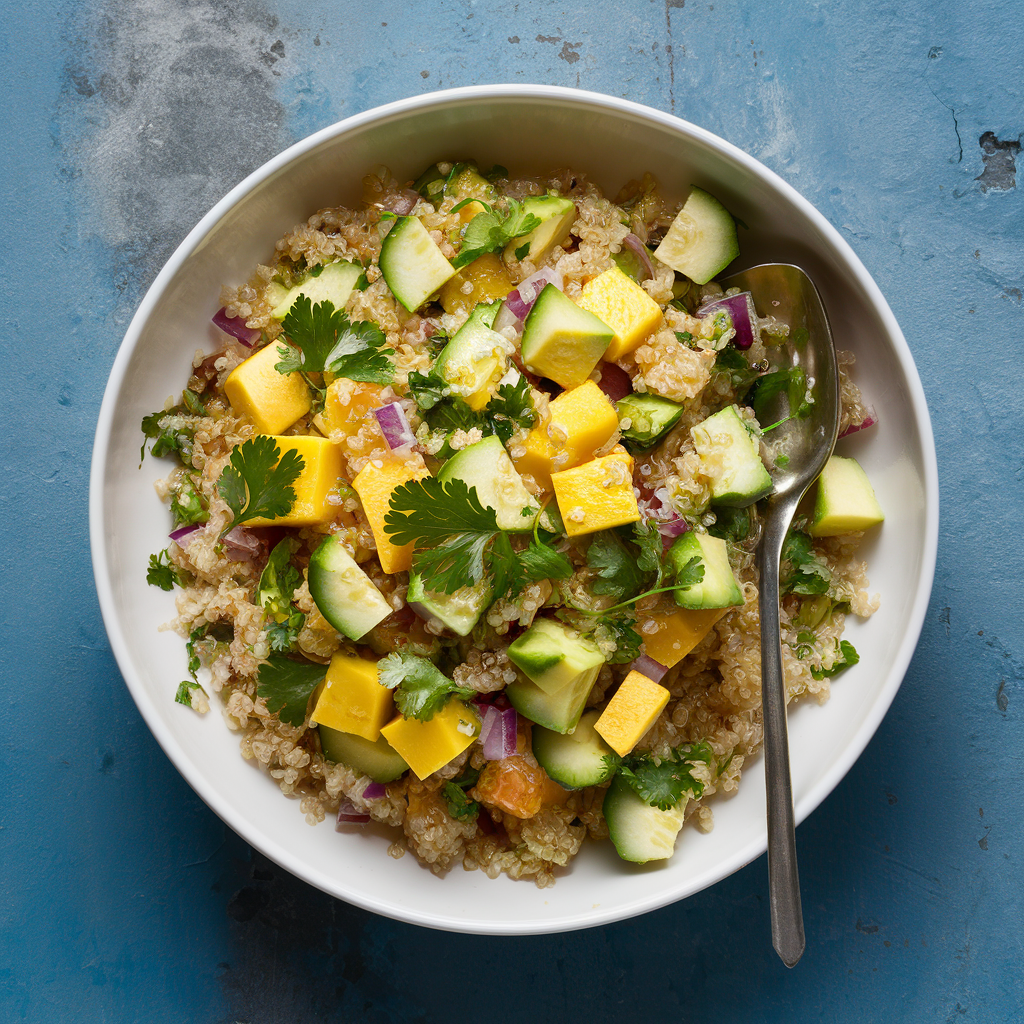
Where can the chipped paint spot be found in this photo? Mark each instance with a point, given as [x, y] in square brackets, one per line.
[549, 39]
[866, 929]
[1002, 700]
[568, 54]
[1000, 159]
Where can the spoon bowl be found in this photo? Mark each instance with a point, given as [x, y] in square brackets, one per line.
[803, 439]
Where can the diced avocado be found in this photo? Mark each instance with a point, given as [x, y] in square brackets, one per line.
[466, 180]
[558, 712]
[345, 595]
[561, 341]
[553, 655]
[556, 215]
[476, 359]
[376, 759]
[647, 418]
[719, 588]
[578, 760]
[845, 502]
[701, 240]
[334, 283]
[730, 456]
[412, 264]
[487, 467]
[641, 833]
[459, 612]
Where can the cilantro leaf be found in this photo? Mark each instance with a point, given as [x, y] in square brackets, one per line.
[848, 656]
[619, 627]
[258, 480]
[279, 579]
[161, 573]
[792, 382]
[648, 538]
[457, 562]
[183, 695]
[803, 572]
[689, 574]
[511, 407]
[284, 635]
[540, 561]
[617, 571]
[170, 439]
[490, 230]
[428, 389]
[731, 524]
[422, 689]
[663, 781]
[187, 504]
[505, 567]
[431, 510]
[286, 685]
[735, 365]
[460, 806]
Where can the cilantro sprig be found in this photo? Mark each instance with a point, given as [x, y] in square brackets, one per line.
[274, 593]
[460, 806]
[663, 781]
[803, 571]
[161, 573]
[323, 338]
[257, 482]
[421, 688]
[511, 407]
[491, 229]
[285, 684]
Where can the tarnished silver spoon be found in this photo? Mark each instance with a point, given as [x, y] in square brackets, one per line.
[787, 293]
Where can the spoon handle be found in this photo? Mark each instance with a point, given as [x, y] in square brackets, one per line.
[783, 880]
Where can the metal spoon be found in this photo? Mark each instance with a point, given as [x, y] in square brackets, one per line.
[788, 294]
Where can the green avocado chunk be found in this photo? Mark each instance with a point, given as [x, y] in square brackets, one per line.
[845, 502]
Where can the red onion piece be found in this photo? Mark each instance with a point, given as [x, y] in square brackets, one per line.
[184, 534]
[348, 815]
[499, 732]
[654, 670]
[403, 203]
[675, 527]
[521, 300]
[374, 791]
[614, 382]
[741, 310]
[869, 421]
[634, 245]
[235, 326]
[394, 425]
[240, 545]
[506, 318]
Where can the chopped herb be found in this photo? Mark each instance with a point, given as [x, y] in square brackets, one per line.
[184, 692]
[491, 230]
[791, 382]
[689, 574]
[496, 173]
[187, 504]
[257, 482]
[619, 628]
[522, 251]
[540, 561]
[663, 781]
[454, 792]
[685, 338]
[511, 408]
[648, 538]
[279, 579]
[731, 524]
[803, 572]
[168, 440]
[428, 389]
[421, 688]
[161, 573]
[846, 657]
[741, 374]
[618, 573]
[284, 635]
[286, 684]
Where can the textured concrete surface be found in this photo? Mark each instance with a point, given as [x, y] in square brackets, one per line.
[123, 898]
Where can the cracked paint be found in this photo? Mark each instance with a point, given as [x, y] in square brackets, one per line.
[1000, 159]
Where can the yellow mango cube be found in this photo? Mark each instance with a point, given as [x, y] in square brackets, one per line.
[351, 699]
[582, 420]
[632, 710]
[427, 746]
[321, 471]
[597, 495]
[346, 406]
[272, 400]
[374, 484]
[487, 278]
[624, 306]
[676, 633]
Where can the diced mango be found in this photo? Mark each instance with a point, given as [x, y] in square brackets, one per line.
[346, 406]
[352, 700]
[677, 633]
[321, 471]
[582, 420]
[517, 787]
[633, 709]
[624, 306]
[374, 484]
[272, 400]
[597, 495]
[488, 280]
[427, 746]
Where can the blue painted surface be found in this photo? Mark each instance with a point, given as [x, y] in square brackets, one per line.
[122, 897]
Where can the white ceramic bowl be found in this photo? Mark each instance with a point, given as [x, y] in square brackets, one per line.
[526, 128]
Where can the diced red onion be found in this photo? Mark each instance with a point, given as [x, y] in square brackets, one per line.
[634, 245]
[348, 815]
[654, 670]
[741, 310]
[869, 421]
[184, 534]
[374, 791]
[496, 698]
[240, 545]
[498, 733]
[403, 203]
[506, 318]
[521, 300]
[394, 425]
[235, 326]
[673, 527]
[614, 382]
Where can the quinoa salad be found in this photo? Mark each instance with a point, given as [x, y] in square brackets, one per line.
[465, 506]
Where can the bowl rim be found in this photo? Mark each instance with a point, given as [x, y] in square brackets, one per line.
[458, 96]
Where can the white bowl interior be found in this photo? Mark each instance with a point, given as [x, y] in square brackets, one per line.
[526, 129]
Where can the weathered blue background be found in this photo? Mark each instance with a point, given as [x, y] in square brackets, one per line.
[122, 898]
